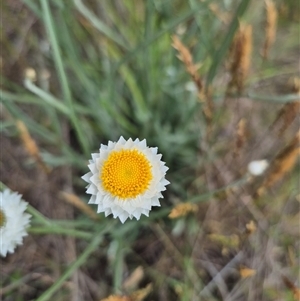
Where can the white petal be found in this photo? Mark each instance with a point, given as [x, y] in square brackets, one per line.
[137, 214]
[145, 212]
[100, 207]
[143, 143]
[121, 140]
[92, 189]
[92, 200]
[129, 143]
[87, 177]
[155, 202]
[92, 167]
[165, 182]
[154, 150]
[95, 156]
[94, 179]
[123, 217]
[107, 212]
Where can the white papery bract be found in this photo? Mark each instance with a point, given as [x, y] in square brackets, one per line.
[14, 221]
[126, 179]
[257, 168]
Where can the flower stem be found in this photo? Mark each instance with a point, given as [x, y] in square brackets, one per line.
[47, 295]
[39, 216]
[61, 231]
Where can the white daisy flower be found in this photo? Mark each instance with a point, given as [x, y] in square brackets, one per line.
[257, 168]
[13, 221]
[126, 178]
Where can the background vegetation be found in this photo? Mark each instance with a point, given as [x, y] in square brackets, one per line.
[79, 73]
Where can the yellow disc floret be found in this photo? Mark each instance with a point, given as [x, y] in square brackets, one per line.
[126, 173]
[2, 219]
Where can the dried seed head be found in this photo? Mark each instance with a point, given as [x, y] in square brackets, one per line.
[192, 69]
[270, 27]
[30, 145]
[291, 286]
[186, 57]
[289, 111]
[282, 164]
[183, 209]
[241, 137]
[240, 54]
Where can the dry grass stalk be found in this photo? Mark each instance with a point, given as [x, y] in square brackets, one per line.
[138, 295]
[186, 57]
[142, 293]
[78, 203]
[289, 111]
[290, 285]
[183, 209]
[282, 164]
[241, 137]
[134, 279]
[240, 55]
[192, 69]
[270, 27]
[31, 146]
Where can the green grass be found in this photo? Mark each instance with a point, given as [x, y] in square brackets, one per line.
[114, 72]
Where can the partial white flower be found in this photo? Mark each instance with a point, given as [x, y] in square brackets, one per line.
[257, 168]
[126, 178]
[13, 221]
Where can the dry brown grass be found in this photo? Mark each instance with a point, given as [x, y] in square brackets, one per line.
[240, 58]
[288, 113]
[31, 146]
[74, 200]
[241, 137]
[233, 247]
[138, 295]
[192, 69]
[282, 164]
[270, 27]
[183, 209]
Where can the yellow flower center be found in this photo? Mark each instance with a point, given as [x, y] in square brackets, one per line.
[2, 219]
[126, 173]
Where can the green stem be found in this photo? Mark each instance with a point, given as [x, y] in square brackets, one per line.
[49, 99]
[47, 295]
[39, 216]
[62, 74]
[274, 98]
[61, 231]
